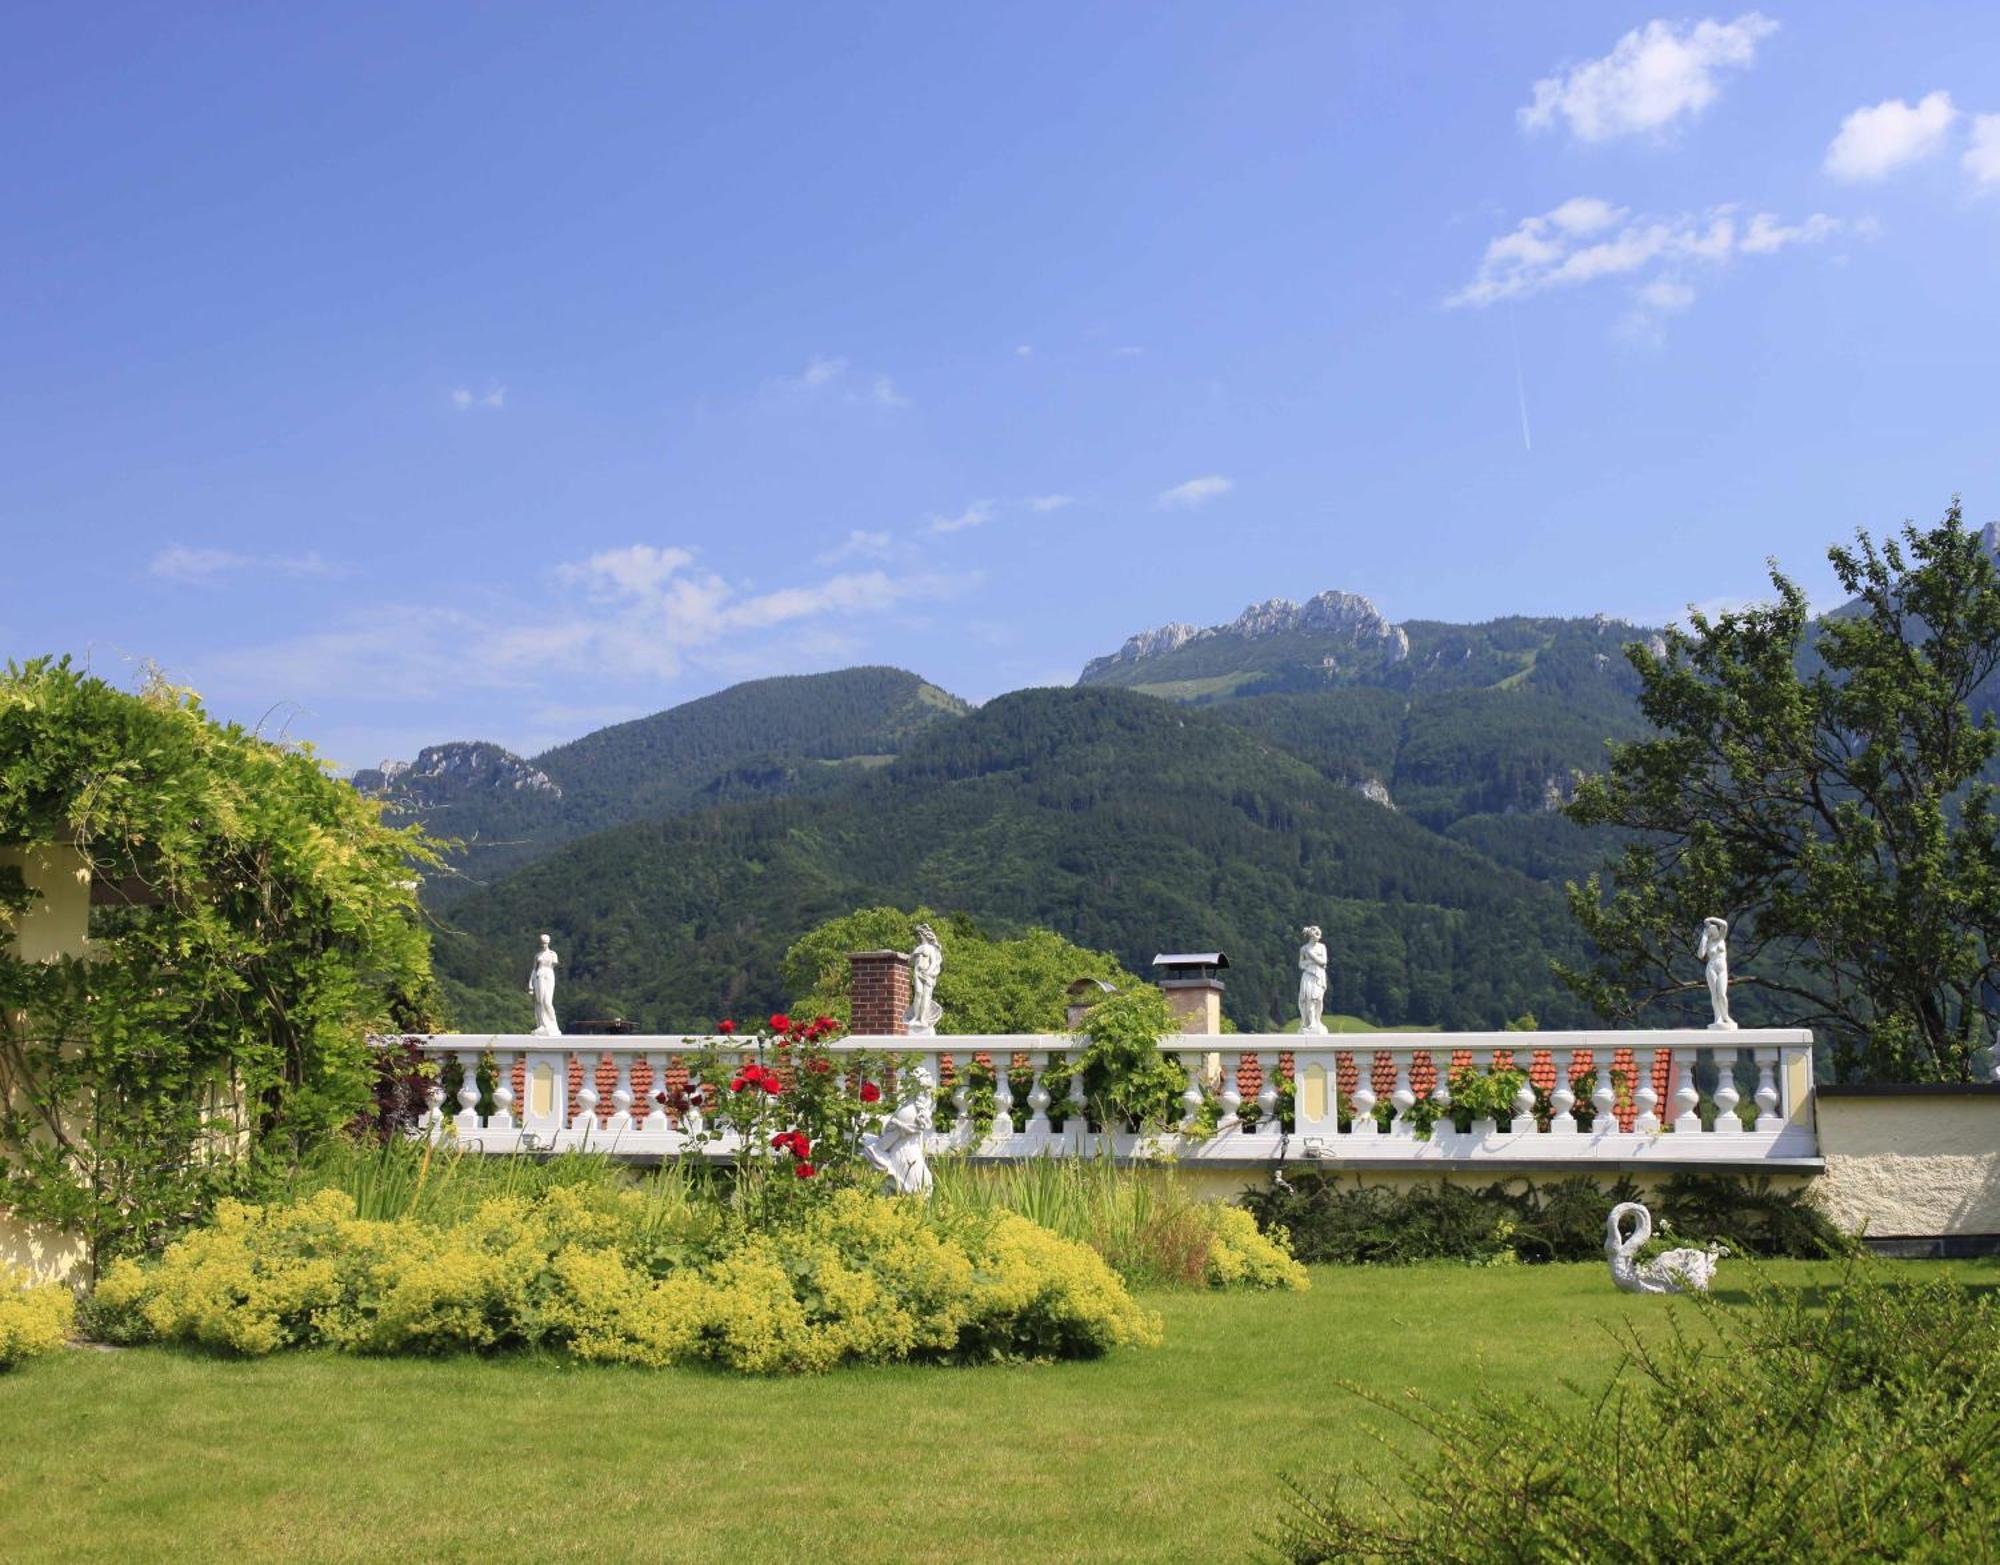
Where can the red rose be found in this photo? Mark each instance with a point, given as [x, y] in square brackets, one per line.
[805, 1170]
[725, 1028]
[773, 1086]
[738, 1084]
[870, 1093]
[780, 1022]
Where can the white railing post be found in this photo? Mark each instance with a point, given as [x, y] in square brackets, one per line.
[1038, 1094]
[621, 1095]
[1523, 1122]
[1078, 1123]
[1441, 1093]
[503, 1092]
[1726, 1095]
[434, 1114]
[468, 1092]
[1267, 1094]
[1003, 1094]
[1686, 1099]
[1364, 1094]
[1562, 1122]
[1403, 1098]
[1767, 1090]
[586, 1095]
[1604, 1097]
[656, 1092]
[1645, 1095]
[1232, 1093]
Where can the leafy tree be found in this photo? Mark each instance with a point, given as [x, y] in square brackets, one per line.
[262, 921]
[1820, 784]
[989, 984]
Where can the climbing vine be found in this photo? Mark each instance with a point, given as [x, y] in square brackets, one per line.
[253, 921]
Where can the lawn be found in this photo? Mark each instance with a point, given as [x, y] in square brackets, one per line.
[1171, 1454]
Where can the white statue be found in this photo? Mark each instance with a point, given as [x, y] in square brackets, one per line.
[926, 962]
[1714, 948]
[897, 1149]
[542, 985]
[1312, 983]
[1677, 1271]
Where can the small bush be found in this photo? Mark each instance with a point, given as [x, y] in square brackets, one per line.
[1145, 1222]
[34, 1318]
[1328, 1219]
[600, 1274]
[1861, 1424]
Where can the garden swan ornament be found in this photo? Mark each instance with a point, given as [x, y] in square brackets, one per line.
[1677, 1271]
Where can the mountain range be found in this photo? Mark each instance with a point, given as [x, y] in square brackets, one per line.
[1395, 784]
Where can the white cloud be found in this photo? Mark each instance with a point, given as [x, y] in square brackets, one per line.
[1196, 492]
[1875, 142]
[1653, 78]
[828, 376]
[1665, 296]
[821, 371]
[977, 514]
[642, 614]
[465, 399]
[1025, 351]
[886, 395]
[179, 563]
[858, 544]
[1041, 504]
[1585, 240]
[1982, 158]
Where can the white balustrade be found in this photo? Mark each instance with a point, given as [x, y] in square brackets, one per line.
[1705, 1125]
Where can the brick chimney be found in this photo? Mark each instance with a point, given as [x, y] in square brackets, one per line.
[1193, 985]
[880, 989]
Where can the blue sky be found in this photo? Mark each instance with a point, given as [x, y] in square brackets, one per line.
[422, 372]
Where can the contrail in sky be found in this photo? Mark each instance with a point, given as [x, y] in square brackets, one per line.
[1520, 382]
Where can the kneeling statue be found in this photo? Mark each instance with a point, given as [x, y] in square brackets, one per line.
[897, 1149]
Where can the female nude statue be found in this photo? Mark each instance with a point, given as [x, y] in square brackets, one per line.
[542, 986]
[1312, 982]
[1714, 948]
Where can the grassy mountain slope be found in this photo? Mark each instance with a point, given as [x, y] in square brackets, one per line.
[1123, 822]
[798, 733]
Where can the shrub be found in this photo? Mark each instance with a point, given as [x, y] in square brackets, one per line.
[1861, 1424]
[600, 1274]
[34, 1318]
[1151, 1229]
[1563, 1220]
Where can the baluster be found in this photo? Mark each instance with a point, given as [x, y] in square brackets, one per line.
[434, 1116]
[468, 1092]
[1404, 1098]
[1267, 1094]
[1364, 1094]
[656, 1093]
[1686, 1098]
[1232, 1092]
[961, 1097]
[586, 1098]
[1191, 1094]
[621, 1095]
[1563, 1099]
[1038, 1095]
[503, 1092]
[1003, 1094]
[1078, 1123]
[1767, 1090]
[1605, 1098]
[692, 1122]
[1523, 1123]
[1441, 1095]
[1726, 1095]
[1645, 1096]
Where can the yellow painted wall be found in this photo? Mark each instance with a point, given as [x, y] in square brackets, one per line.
[1912, 1167]
[47, 1254]
[58, 924]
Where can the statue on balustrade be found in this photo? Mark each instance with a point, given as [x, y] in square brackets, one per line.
[897, 1149]
[1312, 983]
[1676, 1271]
[542, 988]
[926, 962]
[1713, 949]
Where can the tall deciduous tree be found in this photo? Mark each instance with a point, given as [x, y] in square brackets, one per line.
[1822, 784]
[261, 922]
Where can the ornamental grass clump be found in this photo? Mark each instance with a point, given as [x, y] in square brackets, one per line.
[35, 1318]
[1858, 1422]
[613, 1275]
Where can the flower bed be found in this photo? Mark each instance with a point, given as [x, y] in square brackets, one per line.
[597, 1274]
[34, 1319]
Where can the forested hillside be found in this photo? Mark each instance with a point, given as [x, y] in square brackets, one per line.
[1125, 823]
[767, 737]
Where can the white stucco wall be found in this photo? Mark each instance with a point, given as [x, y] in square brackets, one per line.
[58, 924]
[1912, 1166]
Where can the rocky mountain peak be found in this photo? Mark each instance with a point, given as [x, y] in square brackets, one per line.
[1345, 616]
[461, 766]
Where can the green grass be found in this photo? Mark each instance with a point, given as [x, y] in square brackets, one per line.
[1170, 1455]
